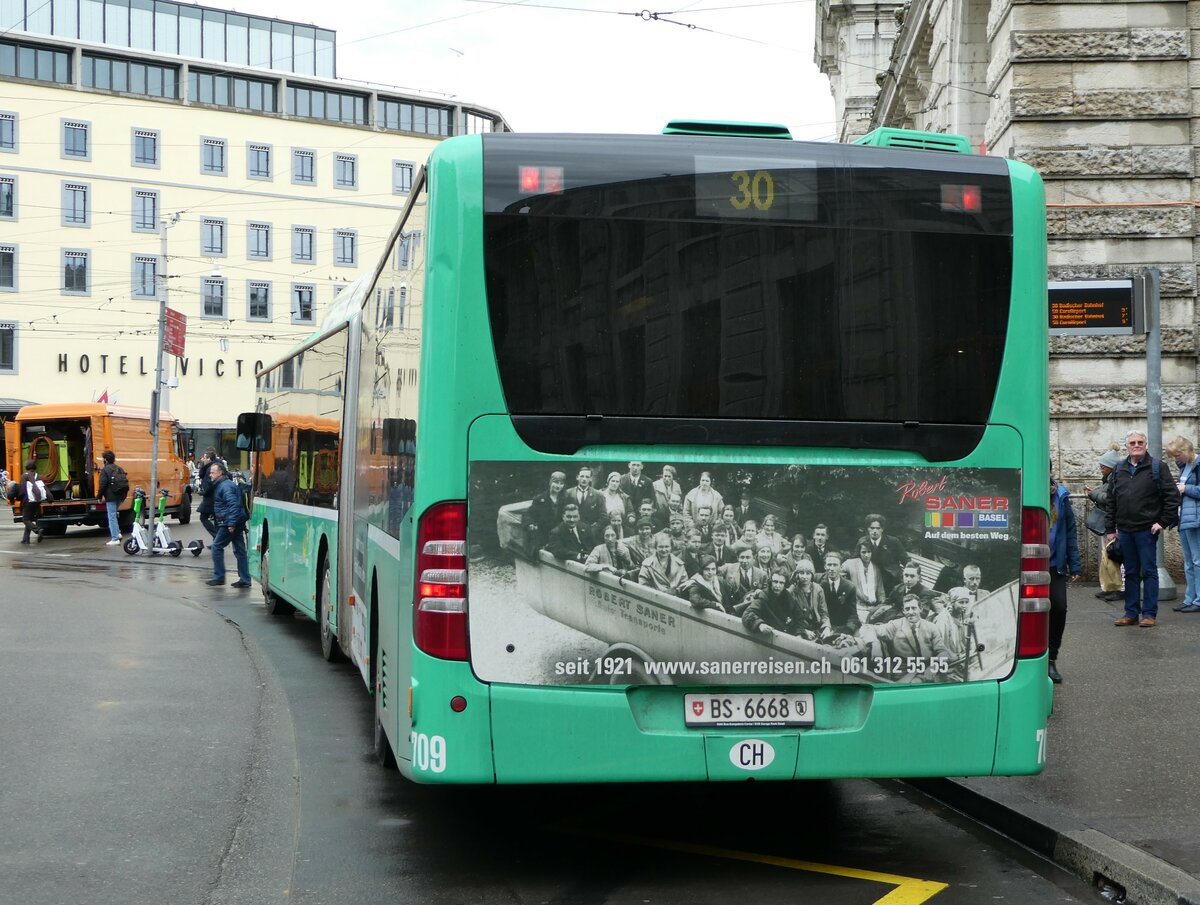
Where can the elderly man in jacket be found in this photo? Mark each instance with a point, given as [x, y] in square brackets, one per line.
[1143, 501]
[230, 516]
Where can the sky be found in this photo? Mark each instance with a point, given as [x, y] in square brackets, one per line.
[586, 65]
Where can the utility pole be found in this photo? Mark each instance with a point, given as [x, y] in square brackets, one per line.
[1154, 415]
[163, 225]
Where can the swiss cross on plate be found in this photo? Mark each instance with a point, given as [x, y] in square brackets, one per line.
[698, 708]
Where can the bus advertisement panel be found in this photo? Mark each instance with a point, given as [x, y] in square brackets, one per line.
[792, 594]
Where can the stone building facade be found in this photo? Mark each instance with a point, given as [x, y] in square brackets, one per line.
[1097, 95]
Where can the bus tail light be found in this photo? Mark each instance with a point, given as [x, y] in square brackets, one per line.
[440, 599]
[1033, 609]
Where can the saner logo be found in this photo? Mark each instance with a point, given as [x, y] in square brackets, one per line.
[965, 511]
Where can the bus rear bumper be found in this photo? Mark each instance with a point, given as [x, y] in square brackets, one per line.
[637, 734]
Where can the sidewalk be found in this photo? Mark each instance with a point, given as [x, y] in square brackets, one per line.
[1118, 797]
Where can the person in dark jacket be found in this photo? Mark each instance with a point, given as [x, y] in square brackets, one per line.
[1064, 561]
[112, 497]
[230, 515]
[1143, 501]
[205, 509]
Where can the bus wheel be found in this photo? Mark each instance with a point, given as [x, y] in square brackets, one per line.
[329, 642]
[275, 606]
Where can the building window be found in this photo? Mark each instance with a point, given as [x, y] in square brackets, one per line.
[145, 147]
[145, 276]
[8, 267]
[302, 245]
[408, 117]
[8, 131]
[75, 272]
[31, 61]
[334, 106]
[345, 171]
[212, 156]
[8, 197]
[406, 250]
[476, 123]
[145, 211]
[75, 140]
[233, 91]
[213, 293]
[212, 237]
[8, 347]
[75, 205]
[258, 301]
[303, 167]
[402, 176]
[258, 161]
[302, 303]
[345, 247]
[258, 240]
[135, 78]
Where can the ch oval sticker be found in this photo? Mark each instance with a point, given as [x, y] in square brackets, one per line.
[752, 754]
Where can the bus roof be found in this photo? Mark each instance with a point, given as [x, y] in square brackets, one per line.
[59, 410]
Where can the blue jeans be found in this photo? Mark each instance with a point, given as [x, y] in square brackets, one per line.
[1190, 538]
[237, 537]
[110, 507]
[1140, 549]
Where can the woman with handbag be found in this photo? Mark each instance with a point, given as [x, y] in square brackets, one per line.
[1184, 454]
[1111, 586]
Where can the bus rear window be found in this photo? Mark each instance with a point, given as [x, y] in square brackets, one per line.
[870, 295]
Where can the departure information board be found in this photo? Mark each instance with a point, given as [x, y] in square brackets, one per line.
[1096, 308]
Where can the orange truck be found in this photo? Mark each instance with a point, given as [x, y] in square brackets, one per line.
[66, 441]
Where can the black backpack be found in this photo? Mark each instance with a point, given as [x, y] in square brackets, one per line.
[118, 482]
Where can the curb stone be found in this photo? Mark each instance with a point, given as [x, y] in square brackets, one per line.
[1085, 852]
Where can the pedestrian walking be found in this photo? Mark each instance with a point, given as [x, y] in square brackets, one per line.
[1064, 562]
[205, 509]
[230, 516]
[1111, 587]
[1183, 451]
[113, 488]
[1143, 501]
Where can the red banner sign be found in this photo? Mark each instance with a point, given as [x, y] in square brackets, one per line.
[174, 332]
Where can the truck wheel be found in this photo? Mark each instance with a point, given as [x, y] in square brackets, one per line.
[183, 512]
[54, 529]
[125, 520]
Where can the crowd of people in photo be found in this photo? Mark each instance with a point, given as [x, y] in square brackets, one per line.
[735, 558]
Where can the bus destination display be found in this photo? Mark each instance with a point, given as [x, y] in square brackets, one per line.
[758, 189]
[1094, 308]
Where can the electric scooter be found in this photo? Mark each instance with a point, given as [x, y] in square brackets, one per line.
[163, 544]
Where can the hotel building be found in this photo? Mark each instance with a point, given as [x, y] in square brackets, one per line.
[278, 184]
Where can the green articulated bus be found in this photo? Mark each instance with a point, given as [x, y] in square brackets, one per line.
[680, 457]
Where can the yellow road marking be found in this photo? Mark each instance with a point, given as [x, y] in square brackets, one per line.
[908, 891]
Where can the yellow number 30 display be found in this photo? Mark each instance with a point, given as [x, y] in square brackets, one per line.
[757, 189]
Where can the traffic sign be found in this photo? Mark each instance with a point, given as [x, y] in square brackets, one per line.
[175, 332]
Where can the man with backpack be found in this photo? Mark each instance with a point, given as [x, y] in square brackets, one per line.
[206, 490]
[229, 510]
[113, 488]
[1143, 501]
[31, 491]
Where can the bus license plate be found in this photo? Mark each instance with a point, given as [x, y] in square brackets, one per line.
[748, 709]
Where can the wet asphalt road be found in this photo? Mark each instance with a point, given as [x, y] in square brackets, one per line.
[165, 742]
